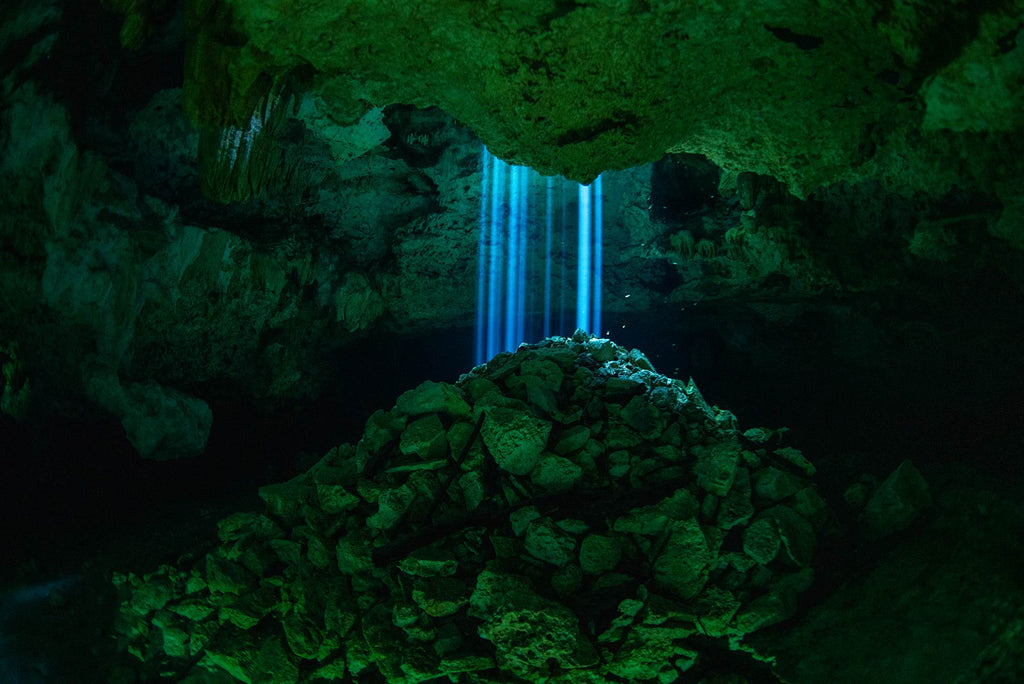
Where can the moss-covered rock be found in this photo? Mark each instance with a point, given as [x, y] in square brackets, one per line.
[808, 92]
[502, 557]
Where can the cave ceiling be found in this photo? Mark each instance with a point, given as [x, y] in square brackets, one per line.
[919, 95]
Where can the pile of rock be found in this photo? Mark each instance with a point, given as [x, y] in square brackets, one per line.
[561, 513]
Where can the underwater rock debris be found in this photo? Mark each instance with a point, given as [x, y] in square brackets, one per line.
[561, 508]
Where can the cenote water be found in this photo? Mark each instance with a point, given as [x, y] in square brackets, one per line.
[539, 257]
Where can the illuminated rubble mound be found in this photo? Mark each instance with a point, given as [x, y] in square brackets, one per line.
[562, 513]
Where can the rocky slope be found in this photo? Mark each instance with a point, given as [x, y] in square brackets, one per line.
[561, 514]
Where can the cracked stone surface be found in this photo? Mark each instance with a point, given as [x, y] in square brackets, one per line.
[431, 573]
[808, 92]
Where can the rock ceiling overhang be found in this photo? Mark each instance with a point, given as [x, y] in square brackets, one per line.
[810, 92]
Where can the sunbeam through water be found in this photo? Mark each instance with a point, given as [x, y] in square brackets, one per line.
[517, 284]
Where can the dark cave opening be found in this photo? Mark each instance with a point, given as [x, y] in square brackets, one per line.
[909, 351]
[682, 188]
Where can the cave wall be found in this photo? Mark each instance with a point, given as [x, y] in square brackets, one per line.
[235, 230]
[199, 206]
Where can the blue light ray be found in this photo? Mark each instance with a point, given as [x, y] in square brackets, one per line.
[598, 256]
[494, 274]
[583, 273]
[522, 265]
[548, 195]
[481, 266]
[509, 272]
[515, 256]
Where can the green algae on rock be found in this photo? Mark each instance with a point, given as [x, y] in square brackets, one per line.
[809, 92]
[501, 560]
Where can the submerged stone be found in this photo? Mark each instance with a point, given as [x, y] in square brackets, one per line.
[515, 439]
[556, 473]
[546, 541]
[424, 437]
[429, 562]
[897, 501]
[716, 466]
[682, 567]
[599, 553]
[433, 397]
[442, 545]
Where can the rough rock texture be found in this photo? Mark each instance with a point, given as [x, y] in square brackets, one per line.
[844, 255]
[956, 581]
[896, 502]
[112, 297]
[117, 274]
[808, 92]
[594, 545]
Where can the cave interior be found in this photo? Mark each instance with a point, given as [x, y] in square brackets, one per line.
[231, 232]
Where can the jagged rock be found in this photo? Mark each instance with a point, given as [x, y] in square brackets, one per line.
[643, 416]
[160, 422]
[392, 505]
[538, 496]
[896, 502]
[384, 425]
[150, 595]
[602, 350]
[440, 597]
[531, 634]
[433, 397]
[556, 473]
[774, 484]
[334, 499]
[796, 458]
[655, 519]
[638, 359]
[682, 567]
[809, 504]
[736, 507]
[356, 303]
[429, 562]
[225, 577]
[716, 466]
[758, 435]
[643, 655]
[572, 439]
[777, 605]
[424, 437]
[795, 532]
[761, 541]
[599, 554]
[546, 541]
[515, 438]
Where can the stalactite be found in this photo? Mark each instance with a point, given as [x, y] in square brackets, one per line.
[239, 164]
